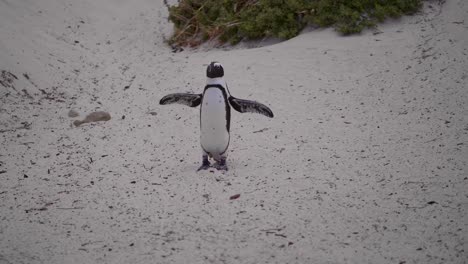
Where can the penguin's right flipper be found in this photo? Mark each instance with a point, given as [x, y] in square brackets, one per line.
[247, 106]
[191, 100]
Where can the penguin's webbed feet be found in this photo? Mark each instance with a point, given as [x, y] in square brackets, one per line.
[205, 164]
[221, 164]
[204, 167]
[221, 167]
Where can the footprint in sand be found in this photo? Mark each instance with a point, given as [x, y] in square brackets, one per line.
[93, 117]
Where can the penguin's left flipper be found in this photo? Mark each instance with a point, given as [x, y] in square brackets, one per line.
[247, 106]
[191, 100]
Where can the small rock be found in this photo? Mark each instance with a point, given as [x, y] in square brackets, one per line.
[94, 117]
[235, 196]
[73, 113]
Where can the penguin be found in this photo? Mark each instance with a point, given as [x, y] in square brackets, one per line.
[215, 114]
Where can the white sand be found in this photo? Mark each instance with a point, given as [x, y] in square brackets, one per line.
[364, 162]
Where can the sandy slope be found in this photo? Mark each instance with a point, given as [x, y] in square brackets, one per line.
[364, 162]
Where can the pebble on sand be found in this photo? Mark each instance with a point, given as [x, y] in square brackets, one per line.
[94, 117]
[73, 113]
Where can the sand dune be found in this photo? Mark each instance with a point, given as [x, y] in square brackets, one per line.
[364, 162]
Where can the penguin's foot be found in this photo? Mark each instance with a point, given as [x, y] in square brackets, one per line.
[205, 164]
[221, 164]
[204, 167]
[221, 167]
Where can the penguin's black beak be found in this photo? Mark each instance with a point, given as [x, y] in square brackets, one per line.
[214, 70]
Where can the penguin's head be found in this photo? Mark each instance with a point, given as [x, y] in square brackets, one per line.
[214, 70]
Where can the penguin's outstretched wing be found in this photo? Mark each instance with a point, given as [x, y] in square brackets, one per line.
[191, 100]
[245, 106]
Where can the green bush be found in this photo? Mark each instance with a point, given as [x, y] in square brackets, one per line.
[231, 21]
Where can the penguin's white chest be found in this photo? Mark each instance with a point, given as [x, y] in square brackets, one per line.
[213, 122]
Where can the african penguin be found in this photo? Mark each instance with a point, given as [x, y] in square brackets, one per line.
[215, 114]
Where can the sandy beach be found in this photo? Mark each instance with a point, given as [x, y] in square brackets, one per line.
[365, 160]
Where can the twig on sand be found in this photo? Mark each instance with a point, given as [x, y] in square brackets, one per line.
[271, 229]
[26, 125]
[36, 209]
[434, 139]
[261, 130]
[235, 196]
